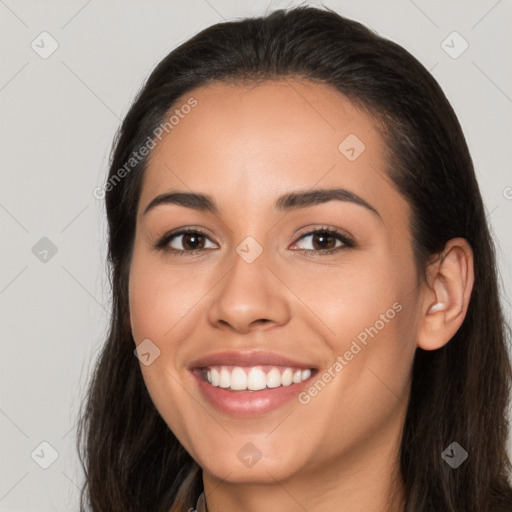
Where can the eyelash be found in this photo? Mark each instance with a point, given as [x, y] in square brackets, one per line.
[348, 243]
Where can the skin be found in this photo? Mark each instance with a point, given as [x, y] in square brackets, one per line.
[245, 146]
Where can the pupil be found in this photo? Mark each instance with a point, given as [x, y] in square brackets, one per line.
[323, 238]
[193, 236]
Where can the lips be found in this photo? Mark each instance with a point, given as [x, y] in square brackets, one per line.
[221, 379]
[254, 358]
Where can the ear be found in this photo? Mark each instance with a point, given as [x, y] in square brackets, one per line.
[446, 295]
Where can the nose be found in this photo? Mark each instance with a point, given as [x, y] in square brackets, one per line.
[249, 296]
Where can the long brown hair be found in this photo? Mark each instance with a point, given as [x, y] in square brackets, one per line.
[460, 392]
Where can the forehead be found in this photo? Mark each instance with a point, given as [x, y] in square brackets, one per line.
[261, 140]
[261, 116]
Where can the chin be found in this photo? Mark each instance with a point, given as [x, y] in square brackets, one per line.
[261, 473]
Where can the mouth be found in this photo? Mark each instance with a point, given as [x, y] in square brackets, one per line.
[248, 384]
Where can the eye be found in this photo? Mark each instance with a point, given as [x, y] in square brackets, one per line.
[326, 239]
[193, 241]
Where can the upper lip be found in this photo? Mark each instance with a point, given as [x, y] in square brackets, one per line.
[252, 358]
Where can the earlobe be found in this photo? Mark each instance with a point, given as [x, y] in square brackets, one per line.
[447, 295]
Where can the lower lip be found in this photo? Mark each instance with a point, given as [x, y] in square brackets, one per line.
[249, 403]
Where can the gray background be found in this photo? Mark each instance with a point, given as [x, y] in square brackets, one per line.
[58, 117]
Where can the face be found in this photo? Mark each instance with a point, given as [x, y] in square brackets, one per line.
[327, 282]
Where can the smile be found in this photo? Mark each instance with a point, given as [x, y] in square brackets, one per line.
[250, 383]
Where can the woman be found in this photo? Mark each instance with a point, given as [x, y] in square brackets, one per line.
[302, 266]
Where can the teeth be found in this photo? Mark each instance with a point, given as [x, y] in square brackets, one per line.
[273, 378]
[287, 377]
[254, 379]
[225, 378]
[238, 379]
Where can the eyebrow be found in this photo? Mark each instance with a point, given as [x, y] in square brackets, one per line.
[285, 203]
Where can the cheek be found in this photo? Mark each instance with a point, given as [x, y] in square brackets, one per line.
[366, 314]
[367, 380]
[351, 299]
[159, 296]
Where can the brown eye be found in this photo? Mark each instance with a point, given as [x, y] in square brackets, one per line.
[190, 240]
[324, 241]
[193, 241]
